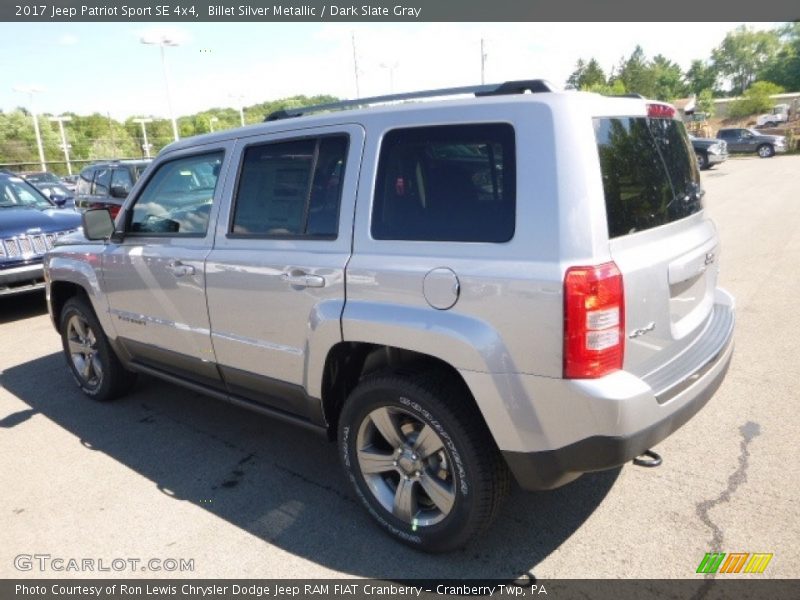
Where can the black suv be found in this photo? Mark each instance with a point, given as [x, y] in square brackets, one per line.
[107, 184]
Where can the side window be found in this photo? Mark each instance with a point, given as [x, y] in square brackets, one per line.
[102, 179]
[450, 183]
[84, 184]
[177, 198]
[727, 134]
[291, 188]
[121, 180]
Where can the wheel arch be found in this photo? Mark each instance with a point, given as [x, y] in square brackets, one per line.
[348, 363]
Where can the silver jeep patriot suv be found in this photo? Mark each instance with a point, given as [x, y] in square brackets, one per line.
[522, 282]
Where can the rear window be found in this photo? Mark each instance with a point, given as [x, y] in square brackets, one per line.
[650, 176]
[448, 183]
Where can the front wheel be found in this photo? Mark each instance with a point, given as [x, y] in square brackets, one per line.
[765, 150]
[90, 358]
[421, 459]
[702, 161]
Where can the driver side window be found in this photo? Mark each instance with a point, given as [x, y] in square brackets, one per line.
[177, 198]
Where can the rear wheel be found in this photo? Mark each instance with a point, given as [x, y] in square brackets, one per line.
[421, 459]
[765, 150]
[91, 360]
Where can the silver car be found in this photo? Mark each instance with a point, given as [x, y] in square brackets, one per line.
[456, 291]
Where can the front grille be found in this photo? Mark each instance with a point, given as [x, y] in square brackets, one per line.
[24, 246]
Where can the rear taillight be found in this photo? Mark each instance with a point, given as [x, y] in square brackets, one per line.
[594, 321]
[114, 210]
[660, 111]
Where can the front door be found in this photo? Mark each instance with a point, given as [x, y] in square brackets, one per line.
[275, 278]
[155, 277]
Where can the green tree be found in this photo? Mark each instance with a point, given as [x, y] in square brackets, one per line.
[586, 75]
[756, 99]
[617, 88]
[700, 76]
[705, 102]
[637, 75]
[743, 54]
[669, 82]
[784, 68]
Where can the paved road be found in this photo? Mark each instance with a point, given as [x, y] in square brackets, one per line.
[166, 473]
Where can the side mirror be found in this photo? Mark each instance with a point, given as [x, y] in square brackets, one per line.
[97, 224]
[58, 200]
[117, 191]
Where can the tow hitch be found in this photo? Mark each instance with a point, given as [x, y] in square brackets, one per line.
[648, 458]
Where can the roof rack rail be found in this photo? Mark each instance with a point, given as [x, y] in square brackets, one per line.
[495, 89]
[639, 96]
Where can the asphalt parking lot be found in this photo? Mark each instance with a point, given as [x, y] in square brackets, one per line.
[166, 473]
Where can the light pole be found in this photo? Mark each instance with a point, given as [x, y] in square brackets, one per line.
[211, 122]
[145, 145]
[391, 67]
[162, 41]
[60, 120]
[31, 90]
[240, 103]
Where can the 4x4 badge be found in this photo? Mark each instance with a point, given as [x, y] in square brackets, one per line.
[639, 332]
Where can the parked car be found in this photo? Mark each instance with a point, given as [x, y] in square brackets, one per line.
[70, 182]
[51, 186]
[107, 184]
[453, 290]
[779, 114]
[708, 151]
[751, 140]
[29, 226]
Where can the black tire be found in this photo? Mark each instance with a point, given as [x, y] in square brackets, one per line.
[766, 151]
[702, 161]
[474, 471]
[104, 378]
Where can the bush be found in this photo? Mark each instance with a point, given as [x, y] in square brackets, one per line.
[756, 99]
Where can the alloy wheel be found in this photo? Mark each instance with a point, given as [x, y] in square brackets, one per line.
[406, 466]
[83, 351]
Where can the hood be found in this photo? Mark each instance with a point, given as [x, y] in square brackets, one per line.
[18, 221]
[704, 142]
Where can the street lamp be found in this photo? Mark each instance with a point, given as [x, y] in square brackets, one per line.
[240, 103]
[60, 120]
[162, 41]
[211, 122]
[145, 145]
[31, 90]
[391, 67]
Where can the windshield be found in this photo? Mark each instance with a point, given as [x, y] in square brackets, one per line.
[15, 193]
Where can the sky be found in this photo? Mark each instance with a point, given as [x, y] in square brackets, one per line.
[103, 67]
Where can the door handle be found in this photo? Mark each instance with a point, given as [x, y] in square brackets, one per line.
[178, 269]
[304, 280]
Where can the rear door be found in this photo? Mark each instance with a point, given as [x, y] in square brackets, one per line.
[665, 247]
[275, 278]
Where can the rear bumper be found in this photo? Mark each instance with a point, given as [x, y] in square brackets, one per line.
[18, 280]
[559, 429]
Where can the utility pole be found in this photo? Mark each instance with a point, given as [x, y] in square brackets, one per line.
[355, 62]
[31, 90]
[145, 145]
[483, 63]
[64, 145]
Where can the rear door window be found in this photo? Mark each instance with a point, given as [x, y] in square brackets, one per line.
[449, 183]
[650, 176]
